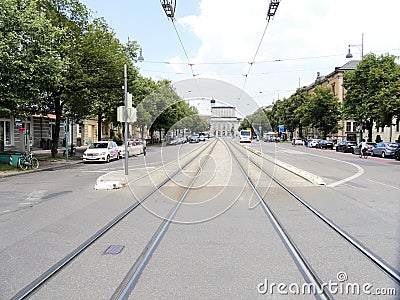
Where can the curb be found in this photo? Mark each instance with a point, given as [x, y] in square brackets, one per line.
[17, 173]
[111, 181]
[304, 174]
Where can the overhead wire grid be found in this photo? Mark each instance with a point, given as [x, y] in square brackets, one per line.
[169, 7]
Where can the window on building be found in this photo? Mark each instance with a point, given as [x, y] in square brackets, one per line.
[6, 132]
[348, 126]
[333, 89]
[28, 133]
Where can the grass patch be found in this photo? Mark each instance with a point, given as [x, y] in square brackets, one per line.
[7, 168]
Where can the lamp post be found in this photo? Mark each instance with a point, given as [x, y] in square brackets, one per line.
[140, 59]
[349, 55]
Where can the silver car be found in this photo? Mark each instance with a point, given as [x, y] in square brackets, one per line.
[385, 149]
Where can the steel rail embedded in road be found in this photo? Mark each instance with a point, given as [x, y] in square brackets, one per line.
[381, 264]
[130, 280]
[302, 264]
[38, 282]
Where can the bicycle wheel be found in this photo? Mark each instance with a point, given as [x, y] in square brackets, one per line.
[22, 163]
[34, 163]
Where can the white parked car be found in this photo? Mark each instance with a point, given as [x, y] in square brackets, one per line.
[134, 148]
[101, 151]
[297, 141]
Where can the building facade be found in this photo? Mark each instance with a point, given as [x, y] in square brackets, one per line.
[223, 121]
[350, 129]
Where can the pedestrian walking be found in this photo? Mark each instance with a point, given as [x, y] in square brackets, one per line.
[144, 147]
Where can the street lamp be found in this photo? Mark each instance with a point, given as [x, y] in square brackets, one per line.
[349, 55]
[140, 59]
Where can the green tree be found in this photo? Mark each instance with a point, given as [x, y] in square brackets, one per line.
[27, 62]
[278, 114]
[322, 111]
[256, 120]
[102, 58]
[373, 93]
[70, 17]
[294, 107]
[245, 124]
[164, 107]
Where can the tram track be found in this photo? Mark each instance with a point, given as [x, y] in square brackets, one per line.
[51, 272]
[127, 285]
[303, 265]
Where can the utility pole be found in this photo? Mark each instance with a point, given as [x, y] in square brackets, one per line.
[126, 118]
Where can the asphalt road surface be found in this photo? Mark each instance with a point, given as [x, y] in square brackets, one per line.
[220, 243]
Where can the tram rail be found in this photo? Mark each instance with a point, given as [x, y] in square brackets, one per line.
[378, 262]
[41, 280]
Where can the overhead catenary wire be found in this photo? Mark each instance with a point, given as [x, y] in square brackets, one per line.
[273, 6]
[183, 47]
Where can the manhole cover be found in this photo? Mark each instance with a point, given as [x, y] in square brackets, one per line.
[114, 249]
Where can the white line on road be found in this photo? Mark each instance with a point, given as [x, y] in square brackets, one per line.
[360, 170]
[391, 186]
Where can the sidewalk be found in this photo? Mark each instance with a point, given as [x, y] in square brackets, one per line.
[46, 162]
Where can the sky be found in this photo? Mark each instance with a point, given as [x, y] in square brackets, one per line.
[220, 39]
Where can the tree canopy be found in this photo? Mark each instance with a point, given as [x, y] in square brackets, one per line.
[55, 58]
[373, 91]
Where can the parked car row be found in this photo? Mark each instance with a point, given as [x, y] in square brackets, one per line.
[189, 139]
[345, 146]
[135, 147]
[385, 149]
[315, 143]
[357, 148]
[382, 149]
[105, 151]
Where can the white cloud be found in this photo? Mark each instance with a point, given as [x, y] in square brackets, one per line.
[230, 31]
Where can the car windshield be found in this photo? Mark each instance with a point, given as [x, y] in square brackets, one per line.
[98, 145]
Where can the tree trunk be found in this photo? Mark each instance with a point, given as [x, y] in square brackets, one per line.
[151, 132]
[99, 117]
[368, 126]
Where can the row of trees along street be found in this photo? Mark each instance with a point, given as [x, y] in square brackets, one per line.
[56, 58]
[372, 96]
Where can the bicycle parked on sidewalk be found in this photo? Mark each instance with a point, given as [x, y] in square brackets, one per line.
[28, 160]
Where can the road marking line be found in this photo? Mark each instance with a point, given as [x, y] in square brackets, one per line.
[394, 187]
[360, 170]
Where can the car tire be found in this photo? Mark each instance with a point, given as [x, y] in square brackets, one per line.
[383, 155]
[108, 158]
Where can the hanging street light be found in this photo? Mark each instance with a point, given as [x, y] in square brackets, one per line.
[169, 7]
[349, 55]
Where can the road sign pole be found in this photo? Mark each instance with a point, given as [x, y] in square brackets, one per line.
[126, 118]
